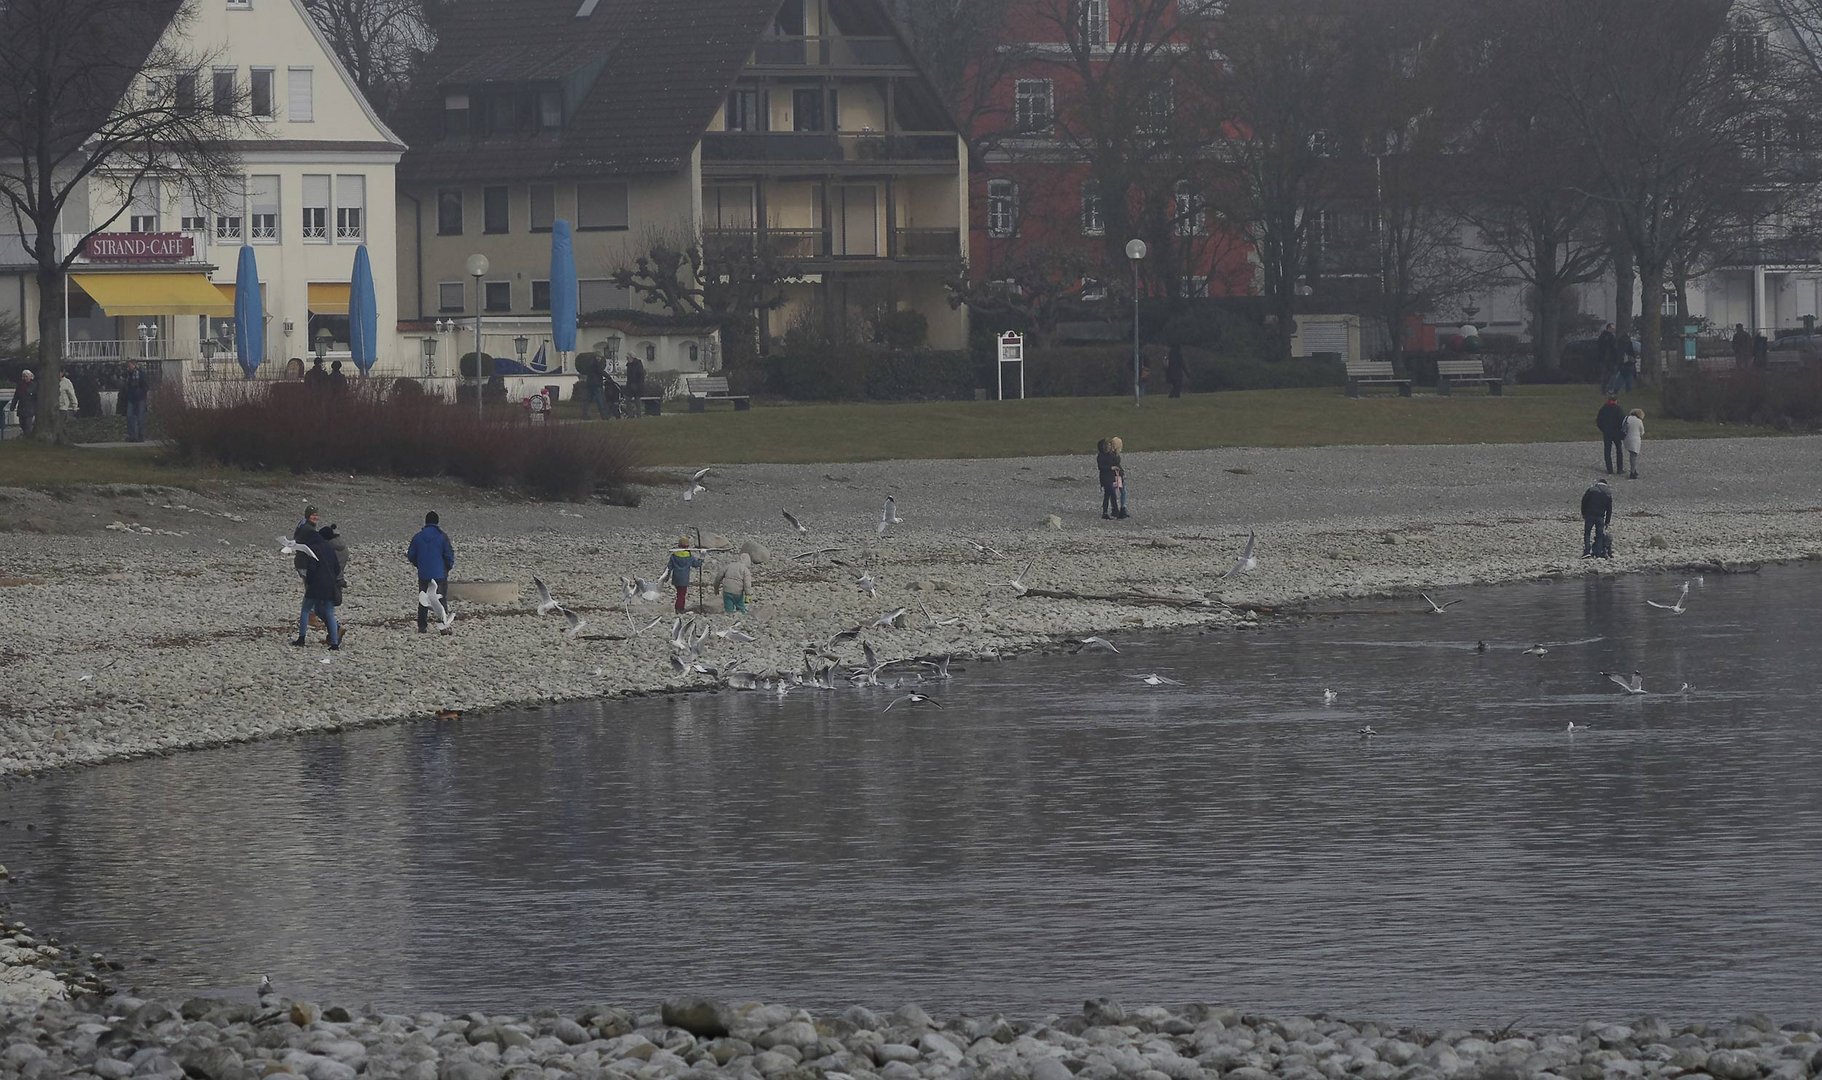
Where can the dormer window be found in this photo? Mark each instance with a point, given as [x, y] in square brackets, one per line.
[502, 110]
[455, 114]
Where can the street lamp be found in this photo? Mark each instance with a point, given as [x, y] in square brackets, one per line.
[1135, 253]
[324, 339]
[430, 357]
[208, 358]
[520, 344]
[477, 269]
[148, 333]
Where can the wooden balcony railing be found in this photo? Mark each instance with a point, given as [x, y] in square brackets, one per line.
[769, 147]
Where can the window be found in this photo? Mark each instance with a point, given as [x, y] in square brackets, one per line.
[743, 111]
[806, 109]
[1193, 287]
[1160, 102]
[543, 207]
[601, 294]
[1094, 289]
[228, 221]
[450, 296]
[550, 109]
[1032, 108]
[188, 93]
[651, 353]
[600, 206]
[1094, 22]
[351, 208]
[262, 208]
[1093, 223]
[190, 218]
[300, 95]
[495, 215]
[223, 84]
[540, 296]
[1187, 213]
[455, 114]
[260, 98]
[499, 296]
[143, 214]
[241, 4]
[449, 212]
[1002, 208]
[316, 208]
[1745, 47]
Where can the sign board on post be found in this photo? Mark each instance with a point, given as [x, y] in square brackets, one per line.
[1012, 351]
[139, 247]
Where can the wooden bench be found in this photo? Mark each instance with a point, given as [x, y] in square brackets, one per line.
[651, 406]
[1374, 373]
[1450, 372]
[703, 389]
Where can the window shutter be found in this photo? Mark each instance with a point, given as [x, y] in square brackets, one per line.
[316, 190]
[300, 99]
[351, 191]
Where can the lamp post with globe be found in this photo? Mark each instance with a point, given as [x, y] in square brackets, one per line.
[1135, 253]
[477, 269]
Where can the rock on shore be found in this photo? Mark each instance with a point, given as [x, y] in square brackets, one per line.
[123, 1036]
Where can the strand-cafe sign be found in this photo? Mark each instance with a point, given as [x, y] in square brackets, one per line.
[139, 247]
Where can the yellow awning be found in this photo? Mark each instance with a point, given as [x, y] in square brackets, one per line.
[329, 297]
[154, 294]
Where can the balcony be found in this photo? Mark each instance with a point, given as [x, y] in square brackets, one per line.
[830, 52]
[829, 148]
[912, 245]
[939, 244]
[1771, 251]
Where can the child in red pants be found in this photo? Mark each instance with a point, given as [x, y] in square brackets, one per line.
[683, 560]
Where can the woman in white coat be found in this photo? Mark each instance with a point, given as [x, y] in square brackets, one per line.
[1632, 435]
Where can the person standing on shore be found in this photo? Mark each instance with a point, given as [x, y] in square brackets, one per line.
[683, 560]
[1103, 463]
[1119, 474]
[434, 556]
[1634, 434]
[133, 396]
[733, 582]
[1611, 419]
[1597, 516]
[320, 576]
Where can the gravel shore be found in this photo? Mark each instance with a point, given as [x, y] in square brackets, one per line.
[145, 621]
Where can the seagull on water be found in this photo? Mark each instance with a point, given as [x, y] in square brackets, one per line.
[292, 547]
[545, 604]
[912, 698]
[1633, 685]
[795, 524]
[1094, 643]
[1154, 679]
[1435, 608]
[1367, 732]
[1575, 727]
[575, 621]
[1246, 563]
[445, 617]
[1480, 646]
[889, 515]
[1017, 584]
[1536, 650]
[265, 985]
[1676, 608]
[941, 667]
[1329, 696]
[741, 680]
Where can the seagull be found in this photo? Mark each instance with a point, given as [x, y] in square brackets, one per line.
[1367, 732]
[1246, 563]
[265, 985]
[734, 633]
[690, 493]
[1017, 584]
[1575, 727]
[817, 554]
[895, 617]
[1329, 696]
[941, 665]
[1155, 680]
[645, 590]
[889, 515]
[576, 623]
[696, 477]
[445, 617]
[981, 547]
[1536, 650]
[1684, 689]
[1634, 685]
[1435, 608]
[866, 650]
[545, 604]
[915, 699]
[795, 524]
[866, 585]
[740, 680]
[947, 620]
[1095, 643]
[1676, 608]
[640, 630]
[1480, 646]
[292, 547]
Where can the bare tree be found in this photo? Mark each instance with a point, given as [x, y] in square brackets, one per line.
[380, 42]
[100, 94]
[732, 280]
[1040, 286]
[961, 45]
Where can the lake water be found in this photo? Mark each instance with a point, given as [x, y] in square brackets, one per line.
[1055, 832]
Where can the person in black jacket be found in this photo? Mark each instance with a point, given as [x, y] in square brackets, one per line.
[320, 586]
[1110, 497]
[635, 385]
[133, 396]
[1612, 421]
[1597, 515]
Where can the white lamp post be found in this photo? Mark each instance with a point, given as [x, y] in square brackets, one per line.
[1135, 253]
[477, 269]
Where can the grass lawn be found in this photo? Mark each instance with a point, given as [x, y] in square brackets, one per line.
[1314, 417]
[31, 464]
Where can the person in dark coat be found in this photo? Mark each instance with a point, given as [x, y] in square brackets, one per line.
[338, 382]
[635, 384]
[1607, 357]
[320, 586]
[1597, 517]
[1175, 370]
[1629, 364]
[25, 403]
[610, 394]
[595, 387]
[310, 523]
[1761, 350]
[133, 395]
[434, 556]
[1611, 419]
[1742, 347]
[317, 378]
[1110, 496]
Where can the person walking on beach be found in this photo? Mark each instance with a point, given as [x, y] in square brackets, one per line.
[434, 556]
[25, 403]
[683, 560]
[1103, 463]
[320, 576]
[1611, 420]
[133, 396]
[1119, 474]
[1634, 434]
[1597, 516]
[733, 582]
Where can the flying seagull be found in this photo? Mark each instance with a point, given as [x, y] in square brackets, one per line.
[941, 666]
[696, 477]
[1634, 685]
[1155, 680]
[1435, 608]
[981, 547]
[895, 617]
[292, 547]
[1536, 650]
[545, 604]
[1676, 608]
[913, 698]
[795, 524]
[1017, 584]
[947, 620]
[690, 493]
[576, 623]
[445, 618]
[889, 515]
[1095, 643]
[734, 633]
[1246, 563]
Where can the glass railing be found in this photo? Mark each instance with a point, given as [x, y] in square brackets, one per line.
[829, 146]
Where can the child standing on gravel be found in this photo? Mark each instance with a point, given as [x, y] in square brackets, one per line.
[1119, 474]
[683, 560]
[733, 583]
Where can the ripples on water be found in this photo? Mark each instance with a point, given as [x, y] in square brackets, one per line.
[1056, 832]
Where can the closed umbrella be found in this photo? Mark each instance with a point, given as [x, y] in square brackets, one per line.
[249, 314]
[363, 318]
[562, 288]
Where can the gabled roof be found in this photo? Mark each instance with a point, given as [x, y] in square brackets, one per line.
[664, 67]
[98, 53]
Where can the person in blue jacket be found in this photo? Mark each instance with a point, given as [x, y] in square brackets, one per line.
[434, 556]
[683, 560]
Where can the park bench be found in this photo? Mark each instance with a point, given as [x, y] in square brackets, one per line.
[703, 389]
[651, 406]
[1450, 372]
[1374, 373]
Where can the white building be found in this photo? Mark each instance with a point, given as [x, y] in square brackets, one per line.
[318, 166]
